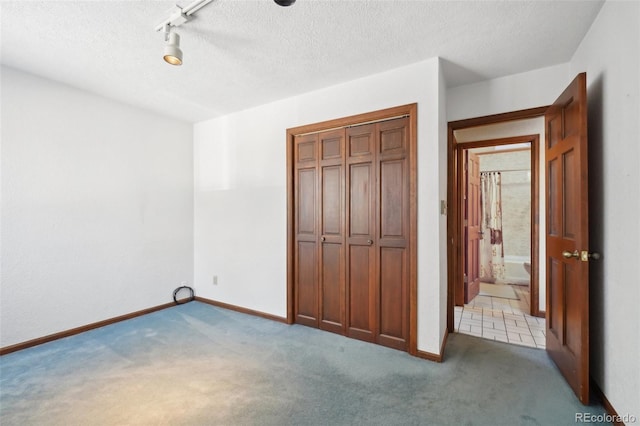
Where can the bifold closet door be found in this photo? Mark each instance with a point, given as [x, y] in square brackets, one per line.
[306, 229]
[361, 230]
[320, 222]
[377, 233]
[351, 209]
[332, 225]
[392, 256]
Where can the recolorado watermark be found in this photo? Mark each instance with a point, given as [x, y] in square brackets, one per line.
[605, 418]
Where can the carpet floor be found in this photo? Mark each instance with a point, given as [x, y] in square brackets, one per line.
[196, 364]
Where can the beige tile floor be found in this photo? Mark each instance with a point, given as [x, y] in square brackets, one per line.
[505, 320]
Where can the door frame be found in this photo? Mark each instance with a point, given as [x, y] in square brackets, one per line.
[410, 111]
[455, 247]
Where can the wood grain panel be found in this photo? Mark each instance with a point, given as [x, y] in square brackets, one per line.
[331, 146]
[306, 201]
[307, 280]
[361, 297]
[393, 139]
[556, 296]
[332, 203]
[554, 204]
[360, 144]
[570, 118]
[554, 130]
[572, 319]
[332, 288]
[306, 151]
[393, 297]
[569, 228]
[360, 199]
[392, 199]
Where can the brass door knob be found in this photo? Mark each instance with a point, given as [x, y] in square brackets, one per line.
[369, 242]
[569, 255]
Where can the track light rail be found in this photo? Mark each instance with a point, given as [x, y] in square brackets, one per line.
[181, 15]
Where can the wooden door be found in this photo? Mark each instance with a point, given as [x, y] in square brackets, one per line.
[306, 229]
[352, 225]
[567, 339]
[361, 228]
[332, 217]
[472, 226]
[393, 233]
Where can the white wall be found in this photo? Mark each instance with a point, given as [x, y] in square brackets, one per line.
[609, 54]
[240, 191]
[97, 208]
[442, 166]
[511, 93]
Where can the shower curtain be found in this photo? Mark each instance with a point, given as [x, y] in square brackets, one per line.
[491, 249]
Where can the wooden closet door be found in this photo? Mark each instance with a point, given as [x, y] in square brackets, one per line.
[393, 234]
[332, 218]
[306, 229]
[361, 219]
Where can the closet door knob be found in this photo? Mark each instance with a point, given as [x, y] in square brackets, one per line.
[369, 242]
[322, 238]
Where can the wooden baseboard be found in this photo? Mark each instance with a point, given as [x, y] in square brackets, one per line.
[241, 309]
[435, 357]
[55, 336]
[615, 419]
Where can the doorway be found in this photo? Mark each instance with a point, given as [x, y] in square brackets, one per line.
[495, 288]
[499, 195]
[566, 228]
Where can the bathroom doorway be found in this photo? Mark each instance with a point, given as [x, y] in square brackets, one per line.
[497, 294]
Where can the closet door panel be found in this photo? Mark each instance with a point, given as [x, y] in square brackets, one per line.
[332, 224]
[393, 308]
[392, 200]
[361, 297]
[360, 200]
[306, 198]
[393, 231]
[361, 228]
[332, 204]
[307, 288]
[361, 257]
[306, 230]
[332, 288]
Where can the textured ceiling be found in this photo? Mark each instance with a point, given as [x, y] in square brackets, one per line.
[243, 53]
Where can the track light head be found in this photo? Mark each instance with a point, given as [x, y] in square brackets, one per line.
[285, 2]
[172, 52]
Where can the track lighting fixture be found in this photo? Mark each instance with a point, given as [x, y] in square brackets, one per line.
[172, 52]
[177, 17]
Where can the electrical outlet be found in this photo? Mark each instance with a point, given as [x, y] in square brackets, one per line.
[215, 280]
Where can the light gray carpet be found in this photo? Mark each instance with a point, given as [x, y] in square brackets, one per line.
[195, 364]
